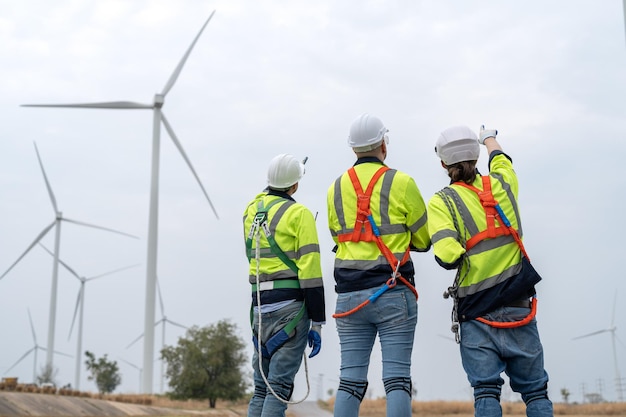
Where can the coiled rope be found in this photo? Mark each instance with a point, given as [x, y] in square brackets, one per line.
[258, 346]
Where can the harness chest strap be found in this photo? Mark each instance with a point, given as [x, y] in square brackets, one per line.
[494, 212]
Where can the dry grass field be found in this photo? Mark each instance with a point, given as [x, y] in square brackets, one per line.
[369, 408]
[376, 408]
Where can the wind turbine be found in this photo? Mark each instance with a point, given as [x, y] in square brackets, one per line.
[34, 350]
[80, 304]
[151, 269]
[136, 367]
[56, 223]
[163, 321]
[611, 329]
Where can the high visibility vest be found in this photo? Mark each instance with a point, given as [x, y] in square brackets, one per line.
[292, 228]
[497, 225]
[398, 211]
[492, 260]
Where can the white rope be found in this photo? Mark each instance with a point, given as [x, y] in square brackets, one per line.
[258, 347]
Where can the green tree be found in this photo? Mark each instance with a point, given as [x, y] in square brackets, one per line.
[565, 394]
[105, 373]
[207, 364]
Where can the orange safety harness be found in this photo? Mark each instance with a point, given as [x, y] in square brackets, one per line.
[494, 212]
[365, 230]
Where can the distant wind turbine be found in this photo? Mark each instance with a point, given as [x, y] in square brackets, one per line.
[136, 367]
[163, 321]
[151, 269]
[34, 350]
[611, 329]
[56, 223]
[80, 305]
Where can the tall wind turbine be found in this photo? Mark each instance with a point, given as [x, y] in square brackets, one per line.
[163, 322]
[34, 350]
[79, 309]
[151, 264]
[611, 329]
[56, 223]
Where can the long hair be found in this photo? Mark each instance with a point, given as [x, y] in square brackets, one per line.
[464, 171]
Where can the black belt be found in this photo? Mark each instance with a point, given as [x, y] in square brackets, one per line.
[524, 303]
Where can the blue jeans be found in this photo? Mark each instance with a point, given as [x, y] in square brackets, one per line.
[486, 352]
[393, 317]
[280, 370]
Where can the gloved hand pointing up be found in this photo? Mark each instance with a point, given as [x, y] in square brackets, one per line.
[486, 134]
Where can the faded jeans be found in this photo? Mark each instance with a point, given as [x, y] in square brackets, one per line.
[280, 370]
[486, 352]
[393, 317]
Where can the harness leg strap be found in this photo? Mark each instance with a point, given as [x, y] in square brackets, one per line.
[355, 388]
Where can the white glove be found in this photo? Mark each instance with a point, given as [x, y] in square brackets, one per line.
[485, 134]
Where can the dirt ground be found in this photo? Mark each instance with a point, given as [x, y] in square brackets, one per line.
[14, 404]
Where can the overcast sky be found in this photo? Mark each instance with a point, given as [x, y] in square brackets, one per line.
[269, 77]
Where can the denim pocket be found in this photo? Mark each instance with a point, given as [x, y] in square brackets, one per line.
[392, 307]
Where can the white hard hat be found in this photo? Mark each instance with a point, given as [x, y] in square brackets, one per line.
[457, 144]
[366, 133]
[284, 171]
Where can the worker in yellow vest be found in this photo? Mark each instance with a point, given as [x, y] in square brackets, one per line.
[376, 215]
[475, 228]
[288, 307]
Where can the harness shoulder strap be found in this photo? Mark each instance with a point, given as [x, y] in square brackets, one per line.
[260, 222]
[362, 226]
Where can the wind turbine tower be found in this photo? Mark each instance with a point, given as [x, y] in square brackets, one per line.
[153, 214]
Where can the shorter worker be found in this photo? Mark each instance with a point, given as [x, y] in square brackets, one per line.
[475, 228]
[287, 289]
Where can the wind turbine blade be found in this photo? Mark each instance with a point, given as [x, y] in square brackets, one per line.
[19, 360]
[99, 227]
[32, 328]
[62, 354]
[181, 64]
[614, 305]
[78, 301]
[131, 364]
[591, 334]
[160, 297]
[176, 324]
[61, 262]
[184, 155]
[101, 105]
[45, 177]
[620, 341]
[37, 239]
[134, 341]
[112, 272]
